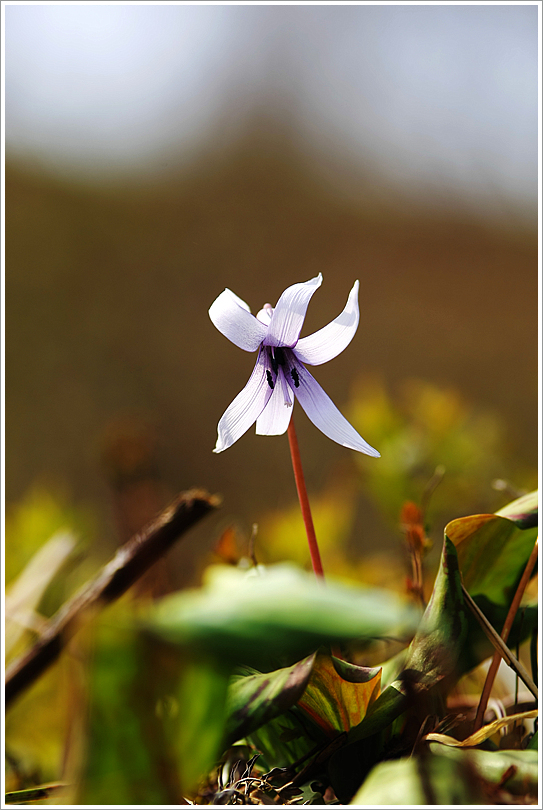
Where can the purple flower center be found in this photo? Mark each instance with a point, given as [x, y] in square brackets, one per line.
[279, 357]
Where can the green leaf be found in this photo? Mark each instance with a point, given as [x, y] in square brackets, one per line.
[338, 693]
[435, 651]
[425, 780]
[492, 553]
[286, 739]
[492, 765]
[533, 743]
[129, 757]
[277, 615]
[255, 699]
[431, 665]
[392, 667]
[478, 647]
[388, 706]
[202, 700]
[257, 620]
[311, 794]
[434, 656]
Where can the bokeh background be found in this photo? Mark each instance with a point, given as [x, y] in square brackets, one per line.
[157, 154]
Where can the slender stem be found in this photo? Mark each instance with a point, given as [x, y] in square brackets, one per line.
[496, 660]
[304, 500]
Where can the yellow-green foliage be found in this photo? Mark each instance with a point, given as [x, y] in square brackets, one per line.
[41, 735]
[418, 430]
[424, 428]
[33, 521]
[39, 731]
[282, 534]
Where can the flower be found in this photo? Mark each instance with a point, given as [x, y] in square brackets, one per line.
[279, 375]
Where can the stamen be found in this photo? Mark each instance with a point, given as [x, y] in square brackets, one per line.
[270, 379]
[277, 356]
[286, 390]
[295, 377]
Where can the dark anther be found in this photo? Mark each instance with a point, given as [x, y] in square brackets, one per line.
[295, 377]
[270, 379]
[277, 358]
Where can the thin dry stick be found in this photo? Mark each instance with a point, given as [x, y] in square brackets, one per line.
[304, 501]
[496, 659]
[496, 640]
[129, 563]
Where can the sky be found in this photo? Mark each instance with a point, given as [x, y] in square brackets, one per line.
[426, 94]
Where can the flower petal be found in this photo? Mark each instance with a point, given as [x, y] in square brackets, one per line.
[246, 408]
[233, 318]
[330, 341]
[324, 414]
[275, 418]
[264, 315]
[289, 313]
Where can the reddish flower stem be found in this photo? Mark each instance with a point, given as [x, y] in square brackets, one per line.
[304, 501]
[496, 660]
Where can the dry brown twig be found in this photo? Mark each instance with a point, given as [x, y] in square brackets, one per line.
[131, 560]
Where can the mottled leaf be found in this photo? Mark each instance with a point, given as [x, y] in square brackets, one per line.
[430, 666]
[523, 511]
[426, 780]
[433, 657]
[255, 699]
[435, 651]
[492, 554]
[493, 765]
[338, 693]
[478, 647]
[286, 739]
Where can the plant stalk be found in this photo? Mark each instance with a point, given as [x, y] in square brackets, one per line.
[496, 660]
[304, 501]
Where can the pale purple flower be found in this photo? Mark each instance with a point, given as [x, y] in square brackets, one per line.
[279, 375]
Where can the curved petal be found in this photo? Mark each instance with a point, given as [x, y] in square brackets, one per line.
[324, 414]
[275, 418]
[246, 408]
[289, 313]
[233, 318]
[330, 341]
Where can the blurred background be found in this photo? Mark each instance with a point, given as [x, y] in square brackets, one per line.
[159, 153]
[156, 154]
